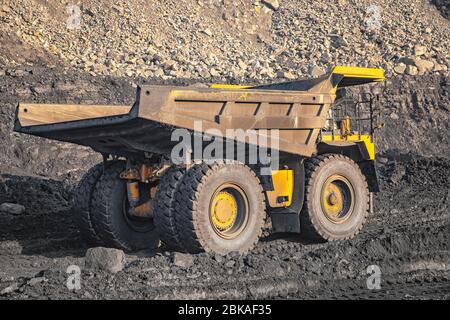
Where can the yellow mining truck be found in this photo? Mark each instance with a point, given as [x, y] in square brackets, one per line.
[202, 168]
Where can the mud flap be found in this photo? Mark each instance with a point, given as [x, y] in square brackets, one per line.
[288, 219]
[285, 222]
[369, 170]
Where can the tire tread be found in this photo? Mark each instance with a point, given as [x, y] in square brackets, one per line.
[310, 228]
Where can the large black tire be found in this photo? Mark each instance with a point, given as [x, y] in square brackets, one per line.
[81, 206]
[165, 212]
[199, 186]
[343, 175]
[114, 225]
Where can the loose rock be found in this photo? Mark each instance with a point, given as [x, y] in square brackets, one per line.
[423, 65]
[208, 32]
[183, 260]
[272, 4]
[36, 280]
[412, 70]
[12, 208]
[400, 68]
[107, 259]
[316, 71]
[419, 50]
[286, 75]
[10, 289]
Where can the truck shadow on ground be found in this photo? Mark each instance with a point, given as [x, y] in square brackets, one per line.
[47, 226]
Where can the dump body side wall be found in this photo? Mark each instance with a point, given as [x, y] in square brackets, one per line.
[297, 115]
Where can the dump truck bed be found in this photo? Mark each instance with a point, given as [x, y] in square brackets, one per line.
[298, 109]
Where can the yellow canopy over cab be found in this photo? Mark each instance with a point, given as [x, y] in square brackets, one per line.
[355, 75]
[340, 76]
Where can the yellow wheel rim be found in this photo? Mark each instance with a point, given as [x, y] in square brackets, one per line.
[223, 210]
[229, 211]
[337, 199]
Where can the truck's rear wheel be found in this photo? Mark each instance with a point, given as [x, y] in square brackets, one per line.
[111, 216]
[82, 200]
[165, 213]
[336, 199]
[220, 208]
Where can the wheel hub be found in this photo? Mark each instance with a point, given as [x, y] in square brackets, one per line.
[337, 199]
[332, 199]
[224, 210]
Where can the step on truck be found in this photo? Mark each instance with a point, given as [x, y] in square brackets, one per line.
[204, 168]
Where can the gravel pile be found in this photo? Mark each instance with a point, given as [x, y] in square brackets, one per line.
[411, 38]
[232, 40]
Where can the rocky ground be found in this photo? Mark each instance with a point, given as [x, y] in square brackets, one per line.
[183, 42]
[407, 237]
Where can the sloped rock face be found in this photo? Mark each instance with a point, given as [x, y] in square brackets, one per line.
[228, 40]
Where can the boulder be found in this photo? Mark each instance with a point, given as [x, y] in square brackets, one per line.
[107, 259]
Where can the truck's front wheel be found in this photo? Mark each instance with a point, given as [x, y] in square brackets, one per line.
[336, 198]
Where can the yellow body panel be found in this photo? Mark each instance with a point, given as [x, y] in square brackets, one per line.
[364, 138]
[283, 186]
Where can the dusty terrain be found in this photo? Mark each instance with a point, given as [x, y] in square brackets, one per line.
[407, 236]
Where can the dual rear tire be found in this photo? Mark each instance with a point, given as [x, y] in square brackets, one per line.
[214, 208]
[101, 207]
